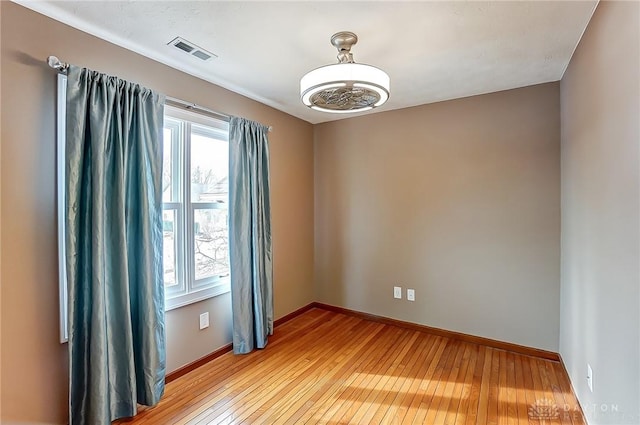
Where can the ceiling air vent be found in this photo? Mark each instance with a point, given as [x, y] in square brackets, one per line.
[191, 49]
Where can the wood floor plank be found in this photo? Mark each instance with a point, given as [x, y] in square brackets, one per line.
[316, 407]
[386, 405]
[252, 387]
[330, 368]
[571, 407]
[298, 395]
[521, 400]
[317, 413]
[494, 387]
[512, 401]
[386, 379]
[416, 390]
[439, 401]
[453, 395]
[471, 413]
[314, 377]
[366, 387]
[530, 394]
[466, 388]
[429, 393]
[557, 395]
[544, 388]
[503, 398]
[393, 407]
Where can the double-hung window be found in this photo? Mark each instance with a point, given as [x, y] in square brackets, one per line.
[195, 202]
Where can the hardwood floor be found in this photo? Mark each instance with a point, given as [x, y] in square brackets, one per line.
[328, 368]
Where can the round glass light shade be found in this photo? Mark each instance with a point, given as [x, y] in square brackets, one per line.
[344, 88]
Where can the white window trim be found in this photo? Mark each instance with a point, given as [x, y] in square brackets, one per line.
[193, 290]
[199, 295]
[63, 290]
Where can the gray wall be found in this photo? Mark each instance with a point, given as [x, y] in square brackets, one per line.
[34, 363]
[459, 200]
[600, 298]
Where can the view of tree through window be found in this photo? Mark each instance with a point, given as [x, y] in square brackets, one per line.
[210, 184]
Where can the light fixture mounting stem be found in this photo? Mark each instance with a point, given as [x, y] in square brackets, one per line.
[343, 41]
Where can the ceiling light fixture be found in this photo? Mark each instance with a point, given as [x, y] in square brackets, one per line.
[346, 86]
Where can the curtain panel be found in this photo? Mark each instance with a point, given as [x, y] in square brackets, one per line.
[250, 235]
[114, 246]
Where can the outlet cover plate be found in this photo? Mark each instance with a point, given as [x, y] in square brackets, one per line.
[204, 320]
[397, 292]
[411, 294]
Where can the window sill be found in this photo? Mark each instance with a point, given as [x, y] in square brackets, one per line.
[197, 296]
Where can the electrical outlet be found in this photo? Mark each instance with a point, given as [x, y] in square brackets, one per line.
[589, 377]
[204, 320]
[397, 292]
[411, 294]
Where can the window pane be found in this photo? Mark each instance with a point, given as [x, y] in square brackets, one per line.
[169, 224]
[168, 166]
[211, 239]
[209, 167]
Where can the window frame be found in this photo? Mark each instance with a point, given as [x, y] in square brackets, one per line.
[191, 289]
[175, 206]
[61, 140]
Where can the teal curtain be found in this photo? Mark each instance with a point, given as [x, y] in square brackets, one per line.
[114, 247]
[250, 235]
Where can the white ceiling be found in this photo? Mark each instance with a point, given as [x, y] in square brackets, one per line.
[432, 51]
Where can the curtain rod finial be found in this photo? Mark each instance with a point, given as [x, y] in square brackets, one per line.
[56, 63]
